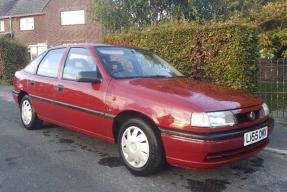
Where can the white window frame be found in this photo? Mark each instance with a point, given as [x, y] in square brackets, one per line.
[73, 17]
[27, 24]
[2, 26]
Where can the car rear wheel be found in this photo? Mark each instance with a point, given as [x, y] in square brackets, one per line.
[140, 147]
[29, 117]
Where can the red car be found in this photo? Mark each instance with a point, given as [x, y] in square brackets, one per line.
[136, 99]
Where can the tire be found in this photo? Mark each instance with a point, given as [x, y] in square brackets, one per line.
[140, 147]
[28, 115]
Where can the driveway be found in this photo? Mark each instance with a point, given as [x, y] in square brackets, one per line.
[56, 159]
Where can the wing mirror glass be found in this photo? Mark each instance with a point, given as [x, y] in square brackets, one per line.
[89, 77]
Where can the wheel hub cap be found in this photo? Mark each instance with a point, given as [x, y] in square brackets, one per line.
[26, 112]
[135, 147]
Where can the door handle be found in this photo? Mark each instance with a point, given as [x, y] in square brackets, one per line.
[32, 83]
[60, 88]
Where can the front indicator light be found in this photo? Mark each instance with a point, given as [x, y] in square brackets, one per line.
[266, 109]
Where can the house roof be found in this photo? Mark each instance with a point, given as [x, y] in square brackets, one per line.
[5, 6]
[21, 7]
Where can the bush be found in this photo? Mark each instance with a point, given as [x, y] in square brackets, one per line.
[13, 56]
[225, 54]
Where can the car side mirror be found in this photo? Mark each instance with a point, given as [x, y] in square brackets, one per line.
[89, 77]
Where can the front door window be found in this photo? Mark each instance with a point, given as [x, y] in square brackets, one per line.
[78, 60]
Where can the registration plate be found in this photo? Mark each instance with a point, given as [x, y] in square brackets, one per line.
[255, 136]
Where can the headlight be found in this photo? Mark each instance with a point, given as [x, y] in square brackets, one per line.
[213, 119]
[266, 109]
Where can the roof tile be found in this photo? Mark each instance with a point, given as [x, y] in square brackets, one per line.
[21, 7]
[5, 6]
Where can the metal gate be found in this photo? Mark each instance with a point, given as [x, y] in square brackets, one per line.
[273, 85]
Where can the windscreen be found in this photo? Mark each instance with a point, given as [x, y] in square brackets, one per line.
[134, 63]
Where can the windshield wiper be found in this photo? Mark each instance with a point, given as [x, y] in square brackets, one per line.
[156, 76]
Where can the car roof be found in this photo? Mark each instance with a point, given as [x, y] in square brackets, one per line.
[93, 45]
[82, 45]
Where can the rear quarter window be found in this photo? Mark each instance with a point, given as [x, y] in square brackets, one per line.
[32, 67]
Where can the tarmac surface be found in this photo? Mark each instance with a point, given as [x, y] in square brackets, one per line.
[57, 159]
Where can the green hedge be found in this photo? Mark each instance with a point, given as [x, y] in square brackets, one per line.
[225, 54]
[13, 56]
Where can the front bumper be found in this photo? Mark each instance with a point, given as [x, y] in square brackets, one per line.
[203, 151]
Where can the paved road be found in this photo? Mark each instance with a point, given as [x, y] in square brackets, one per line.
[55, 159]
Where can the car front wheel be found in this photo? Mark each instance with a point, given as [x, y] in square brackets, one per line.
[140, 147]
[29, 117]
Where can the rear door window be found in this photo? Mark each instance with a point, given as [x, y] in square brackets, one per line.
[50, 64]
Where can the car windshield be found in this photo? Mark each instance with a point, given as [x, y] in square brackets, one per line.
[135, 63]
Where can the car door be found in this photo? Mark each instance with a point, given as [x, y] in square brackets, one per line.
[82, 104]
[41, 85]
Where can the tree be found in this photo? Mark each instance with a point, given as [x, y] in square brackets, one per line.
[271, 21]
[111, 13]
[117, 15]
[205, 10]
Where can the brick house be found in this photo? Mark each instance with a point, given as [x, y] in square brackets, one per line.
[40, 24]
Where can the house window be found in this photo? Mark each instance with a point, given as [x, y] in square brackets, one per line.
[27, 24]
[73, 17]
[2, 26]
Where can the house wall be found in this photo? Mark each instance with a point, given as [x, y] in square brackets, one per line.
[48, 28]
[57, 34]
[38, 35]
[6, 26]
